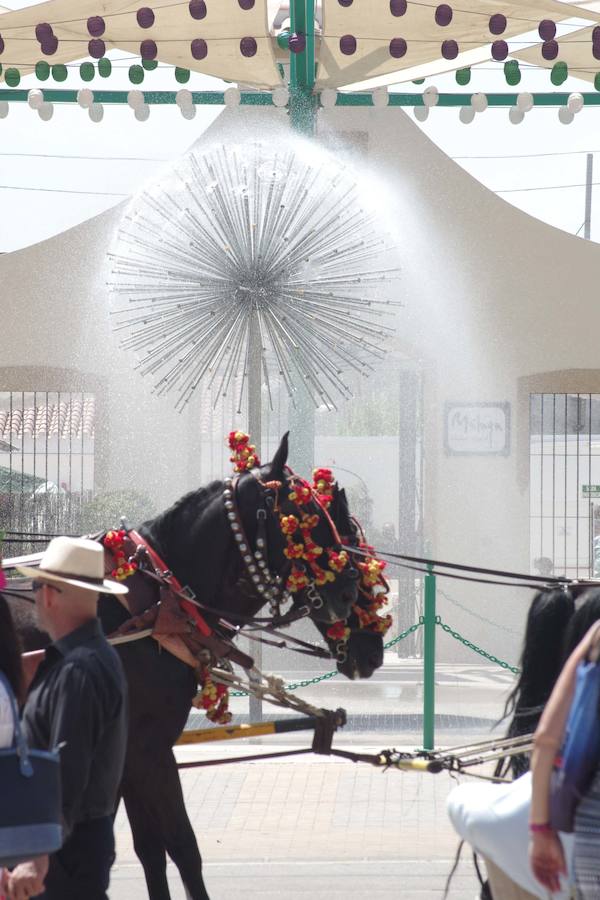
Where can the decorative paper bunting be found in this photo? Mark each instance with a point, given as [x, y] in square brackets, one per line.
[226, 38]
[577, 51]
[362, 43]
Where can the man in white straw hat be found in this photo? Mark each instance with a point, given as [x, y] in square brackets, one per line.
[77, 699]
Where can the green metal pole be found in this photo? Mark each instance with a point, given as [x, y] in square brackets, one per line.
[303, 104]
[429, 625]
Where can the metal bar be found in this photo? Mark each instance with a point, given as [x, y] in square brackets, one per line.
[254, 376]
[591, 562]
[578, 426]
[233, 759]
[553, 482]
[429, 623]
[10, 462]
[264, 98]
[589, 173]
[252, 729]
[566, 480]
[543, 398]
[303, 117]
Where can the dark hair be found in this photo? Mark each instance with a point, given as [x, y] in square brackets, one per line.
[10, 650]
[582, 620]
[542, 656]
[541, 662]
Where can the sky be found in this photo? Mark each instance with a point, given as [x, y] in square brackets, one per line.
[56, 174]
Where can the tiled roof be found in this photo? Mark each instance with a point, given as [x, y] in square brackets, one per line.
[67, 419]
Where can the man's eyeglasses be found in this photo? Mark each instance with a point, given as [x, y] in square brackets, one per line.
[38, 585]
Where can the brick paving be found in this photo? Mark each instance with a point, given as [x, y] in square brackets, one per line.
[325, 828]
[312, 825]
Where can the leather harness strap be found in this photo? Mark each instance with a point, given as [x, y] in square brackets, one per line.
[169, 579]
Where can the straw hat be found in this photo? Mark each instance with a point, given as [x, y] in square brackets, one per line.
[74, 561]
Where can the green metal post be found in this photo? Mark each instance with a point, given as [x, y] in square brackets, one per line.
[429, 626]
[302, 107]
[302, 103]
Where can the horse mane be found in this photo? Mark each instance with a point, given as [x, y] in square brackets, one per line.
[199, 499]
[193, 539]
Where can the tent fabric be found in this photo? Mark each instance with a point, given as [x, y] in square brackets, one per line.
[230, 29]
[374, 27]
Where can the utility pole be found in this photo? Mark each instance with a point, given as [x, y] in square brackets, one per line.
[587, 225]
[302, 109]
[254, 374]
[303, 118]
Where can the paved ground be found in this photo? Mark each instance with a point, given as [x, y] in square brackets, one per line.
[325, 828]
[313, 826]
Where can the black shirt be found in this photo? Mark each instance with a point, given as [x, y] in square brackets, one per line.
[79, 698]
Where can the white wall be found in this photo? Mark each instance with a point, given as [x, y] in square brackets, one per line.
[492, 297]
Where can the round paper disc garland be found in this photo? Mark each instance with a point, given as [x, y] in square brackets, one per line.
[252, 236]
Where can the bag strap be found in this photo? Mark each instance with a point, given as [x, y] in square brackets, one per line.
[19, 742]
[593, 654]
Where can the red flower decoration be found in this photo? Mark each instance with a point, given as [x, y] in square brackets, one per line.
[244, 455]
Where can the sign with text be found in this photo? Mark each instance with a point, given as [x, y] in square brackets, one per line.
[480, 429]
[590, 491]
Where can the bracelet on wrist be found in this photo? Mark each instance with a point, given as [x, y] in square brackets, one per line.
[541, 828]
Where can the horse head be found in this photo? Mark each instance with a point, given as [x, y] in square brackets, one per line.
[359, 651]
[297, 538]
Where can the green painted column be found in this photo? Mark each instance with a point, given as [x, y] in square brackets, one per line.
[303, 106]
[429, 626]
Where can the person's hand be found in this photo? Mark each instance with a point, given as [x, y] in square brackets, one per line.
[27, 879]
[547, 859]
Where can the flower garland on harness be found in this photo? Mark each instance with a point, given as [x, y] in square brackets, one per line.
[115, 542]
[297, 527]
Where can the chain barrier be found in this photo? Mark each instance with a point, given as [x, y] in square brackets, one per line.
[307, 682]
[476, 615]
[471, 646]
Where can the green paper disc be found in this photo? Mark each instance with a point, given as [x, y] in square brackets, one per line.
[12, 77]
[512, 72]
[87, 71]
[59, 72]
[463, 76]
[150, 64]
[104, 67]
[559, 73]
[136, 74]
[182, 75]
[42, 70]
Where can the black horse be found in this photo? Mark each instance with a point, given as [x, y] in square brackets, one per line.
[196, 539]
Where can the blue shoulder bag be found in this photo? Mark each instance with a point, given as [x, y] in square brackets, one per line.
[580, 754]
[30, 797]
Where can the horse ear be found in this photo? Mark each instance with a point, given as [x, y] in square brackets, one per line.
[277, 464]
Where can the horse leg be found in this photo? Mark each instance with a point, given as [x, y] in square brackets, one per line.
[147, 840]
[178, 834]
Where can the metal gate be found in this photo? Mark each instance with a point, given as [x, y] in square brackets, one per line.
[565, 484]
[46, 460]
